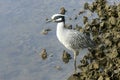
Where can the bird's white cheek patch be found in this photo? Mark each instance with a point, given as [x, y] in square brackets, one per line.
[59, 19]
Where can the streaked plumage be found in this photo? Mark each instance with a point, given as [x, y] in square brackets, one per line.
[71, 39]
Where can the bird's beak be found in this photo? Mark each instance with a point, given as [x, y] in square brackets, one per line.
[50, 20]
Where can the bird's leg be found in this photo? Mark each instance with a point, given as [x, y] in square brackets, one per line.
[75, 56]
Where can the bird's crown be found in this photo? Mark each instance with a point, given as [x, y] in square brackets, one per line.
[58, 17]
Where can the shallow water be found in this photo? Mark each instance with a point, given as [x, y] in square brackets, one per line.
[21, 23]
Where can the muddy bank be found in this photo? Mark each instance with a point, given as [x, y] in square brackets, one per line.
[102, 62]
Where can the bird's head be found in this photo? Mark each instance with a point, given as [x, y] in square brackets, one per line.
[57, 18]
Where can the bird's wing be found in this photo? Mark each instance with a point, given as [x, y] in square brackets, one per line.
[78, 40]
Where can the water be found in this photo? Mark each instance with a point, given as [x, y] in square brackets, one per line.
[21, 22]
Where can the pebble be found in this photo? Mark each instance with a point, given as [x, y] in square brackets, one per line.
[43, 54]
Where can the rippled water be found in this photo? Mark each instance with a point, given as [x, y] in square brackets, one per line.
[21, 23]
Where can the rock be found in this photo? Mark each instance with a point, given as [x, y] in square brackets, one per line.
[81, 12]
[43, 54]
[100, 78]
[45, 31]
[63, 10]
[74, 77]
[66, 57]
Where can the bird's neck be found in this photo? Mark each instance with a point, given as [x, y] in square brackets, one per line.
[60, 26]
[60, 31]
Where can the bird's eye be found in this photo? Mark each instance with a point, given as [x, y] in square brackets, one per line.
[57, 17]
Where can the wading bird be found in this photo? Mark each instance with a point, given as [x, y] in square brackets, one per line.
[71, 39]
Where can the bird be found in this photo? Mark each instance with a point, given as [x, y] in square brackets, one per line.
[73, 40]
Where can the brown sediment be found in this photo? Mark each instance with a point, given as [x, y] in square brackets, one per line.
[43, 54]
[68, 26]
[45, 31]
[63, 10]
[81, 12]
[66, 56]
[103, 62]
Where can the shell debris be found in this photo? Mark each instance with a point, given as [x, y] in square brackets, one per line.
[43, 54]
[66, 56]
[63, 10]
[102, 62]
[45, 31]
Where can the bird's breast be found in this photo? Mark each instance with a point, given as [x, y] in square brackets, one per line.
[60, 36]
[63, 38]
